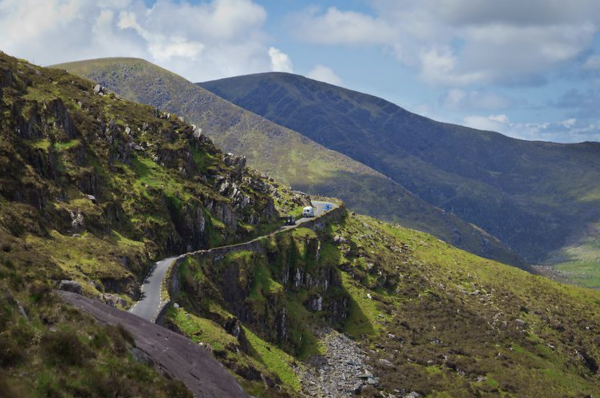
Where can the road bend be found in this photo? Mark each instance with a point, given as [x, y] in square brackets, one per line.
[151, 303]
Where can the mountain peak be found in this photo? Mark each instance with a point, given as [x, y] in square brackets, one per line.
[504, 185]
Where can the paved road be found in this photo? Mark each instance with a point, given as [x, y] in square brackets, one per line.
[150, 303]
[320, 208]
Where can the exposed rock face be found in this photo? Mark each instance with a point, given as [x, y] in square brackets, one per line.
[31, 127]
[236, 162]
[232, 279]
[6, 78]
[113, 300]
[173, 355]
[62, 119]
[191, 227]
[70, 286]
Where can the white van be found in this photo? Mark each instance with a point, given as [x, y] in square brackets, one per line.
[308, 212]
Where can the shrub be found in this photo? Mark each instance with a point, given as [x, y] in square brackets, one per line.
[10, 352]
[64, 348]
[39, 291]
[176, 389]
[120, 338]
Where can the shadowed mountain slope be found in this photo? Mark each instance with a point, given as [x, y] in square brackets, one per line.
[284, 154]
[93, 188]
[535, 196]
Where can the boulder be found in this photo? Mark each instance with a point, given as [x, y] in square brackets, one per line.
[98, 89]
[70, 286]
[236, 162]
[113, 300]
[92, 198]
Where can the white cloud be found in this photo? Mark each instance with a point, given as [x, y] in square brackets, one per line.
[439, 66]
[462, 42]
[500, 118]
[592, 63]
[324, 74]
[567, 131]
[458, 99]
[341, 27]
[488, 123]
[280, 61]
[209, 40]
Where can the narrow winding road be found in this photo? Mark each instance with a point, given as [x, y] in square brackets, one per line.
[150, 303]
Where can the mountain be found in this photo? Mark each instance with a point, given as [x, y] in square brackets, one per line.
[94, 189]
[537, 197]
[286, 155]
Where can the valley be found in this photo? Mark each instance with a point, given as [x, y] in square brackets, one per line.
[286, 155]
[536, 197]
[95, 189]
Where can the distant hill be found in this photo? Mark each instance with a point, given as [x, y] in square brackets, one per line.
[94, 189]
[537, 197]
[285, 154]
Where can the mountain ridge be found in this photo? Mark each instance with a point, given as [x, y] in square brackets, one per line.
[494, 181]
[285, 154]
[93, 187]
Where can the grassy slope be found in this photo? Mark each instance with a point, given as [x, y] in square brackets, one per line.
[534, 196]
[59, 142]
[49, 349]
[285, 154]
[580, 262]
[432, 318]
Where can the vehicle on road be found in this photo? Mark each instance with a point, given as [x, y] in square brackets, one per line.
[289, 220]
[328, 206]
[308, 211]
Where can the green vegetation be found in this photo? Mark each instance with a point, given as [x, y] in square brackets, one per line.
[534, 196]
[287, 155]
[579, 263]
[49, 349]
[93, 189]
[433, 319]
[276, 360]
[201, 330]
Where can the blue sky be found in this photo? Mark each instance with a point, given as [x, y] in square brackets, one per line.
[529, 69]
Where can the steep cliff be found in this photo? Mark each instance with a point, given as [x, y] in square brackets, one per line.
[103, 186]
[93, 189]
[358, 305]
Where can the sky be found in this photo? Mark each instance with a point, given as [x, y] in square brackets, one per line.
[529, 69]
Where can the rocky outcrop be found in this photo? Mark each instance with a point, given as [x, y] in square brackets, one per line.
[237, 163]
[62, 119]
[6, 78]
[292, 262]
[31, 127]
[70, 286]
[170, 353]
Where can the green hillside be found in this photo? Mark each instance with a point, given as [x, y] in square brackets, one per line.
[93, 190]
[286, 155]
[422, 317]
[537, 197]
